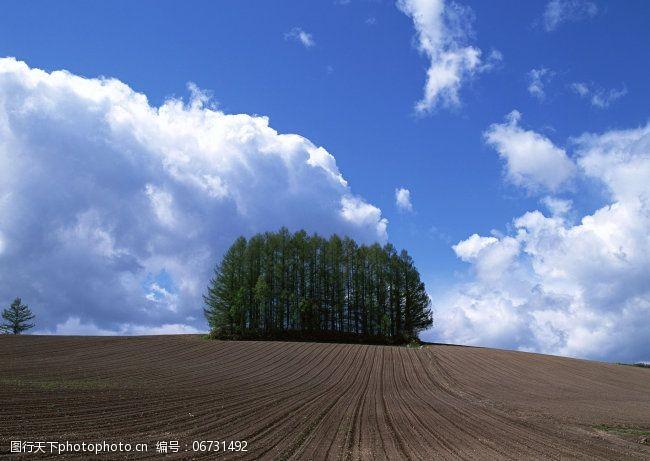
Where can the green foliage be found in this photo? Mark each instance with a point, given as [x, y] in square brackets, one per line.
[414, 344]
[287, 285]
[16, 318]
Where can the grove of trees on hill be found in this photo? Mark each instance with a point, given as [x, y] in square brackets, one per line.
[279, 285]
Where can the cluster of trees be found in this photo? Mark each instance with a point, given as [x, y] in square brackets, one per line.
[284, 285]
[17, 318]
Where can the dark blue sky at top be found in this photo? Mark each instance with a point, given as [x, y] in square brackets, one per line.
[353, 92]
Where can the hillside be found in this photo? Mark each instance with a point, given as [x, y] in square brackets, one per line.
[320, 401]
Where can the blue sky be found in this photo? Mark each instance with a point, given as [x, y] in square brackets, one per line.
[352, 88]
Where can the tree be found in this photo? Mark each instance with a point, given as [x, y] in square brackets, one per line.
[279, 284]
[17, 317]
[262, 298]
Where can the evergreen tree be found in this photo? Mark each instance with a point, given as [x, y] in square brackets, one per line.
[276, 284]
[16, 318]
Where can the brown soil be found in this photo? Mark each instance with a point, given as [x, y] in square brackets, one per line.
[319, 401]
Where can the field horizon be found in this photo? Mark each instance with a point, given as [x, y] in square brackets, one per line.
[308, 400]
[424, 344]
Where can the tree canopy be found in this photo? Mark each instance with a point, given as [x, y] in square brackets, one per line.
[283, 285]
[16, 318]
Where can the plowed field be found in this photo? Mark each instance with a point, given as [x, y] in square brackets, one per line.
[317, 401]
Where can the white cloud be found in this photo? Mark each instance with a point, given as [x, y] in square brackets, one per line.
[469, 249]
[621, 160]
[403, 199]
[298, 35]
[580, 88]
[553, 286]
[75, 326]
[598, 97]
[557, 206]
[532, 160]
[166, 329]
[603, 99]
[442, 33]
[362, 214]
[537, 78]
[558, 12]
[114, 211]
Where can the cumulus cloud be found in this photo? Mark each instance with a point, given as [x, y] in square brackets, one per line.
[537, 79]
[443, 31]
[557, 206]
[359, 213]
[598, 97]
[468, 250]
[403, 199]
[558, 12]
[298, 35]
[561, 287]
[532, 160]
[113, 211]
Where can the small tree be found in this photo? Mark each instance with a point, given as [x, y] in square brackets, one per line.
[16, 318]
